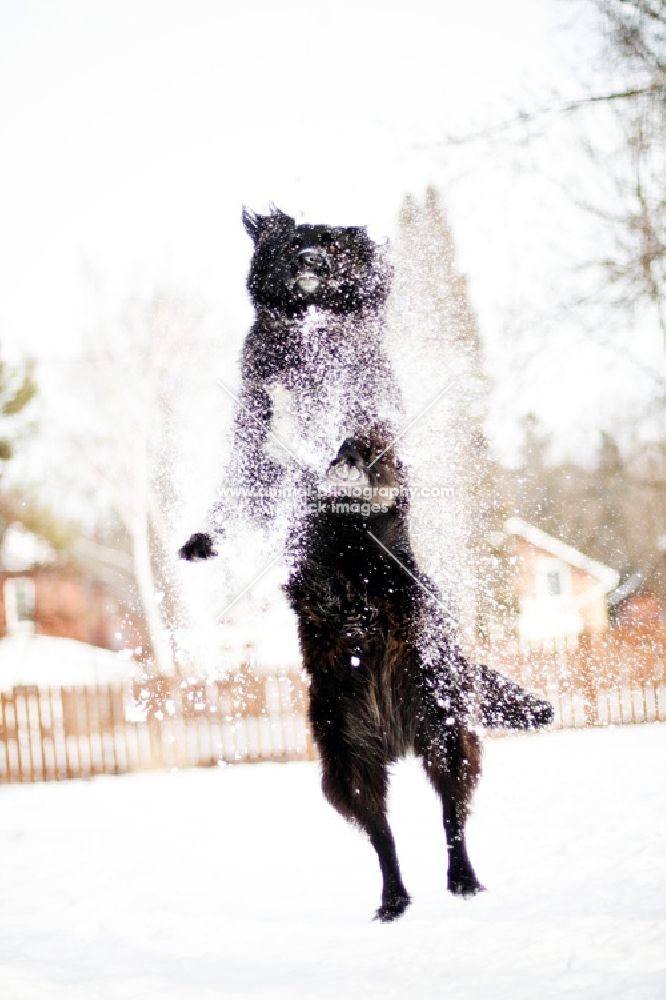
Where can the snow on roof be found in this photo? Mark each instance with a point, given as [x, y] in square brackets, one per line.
[567, 553]
[44, 661]
[21, 550]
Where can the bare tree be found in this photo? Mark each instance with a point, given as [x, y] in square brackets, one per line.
[634, 269]
[132, 393]
[619, 124]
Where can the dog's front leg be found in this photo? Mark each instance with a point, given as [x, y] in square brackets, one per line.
[395, 898]
[251, 473]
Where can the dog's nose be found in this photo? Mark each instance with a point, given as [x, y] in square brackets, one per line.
[348, 463]
[343, 469]
[312, 259]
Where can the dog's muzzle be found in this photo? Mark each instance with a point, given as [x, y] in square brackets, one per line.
[348, 468]
[309, 267]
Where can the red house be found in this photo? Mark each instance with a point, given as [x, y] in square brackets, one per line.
[42, 594]
[562, 592]
[633, 604]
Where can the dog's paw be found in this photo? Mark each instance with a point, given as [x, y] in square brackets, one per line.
[464, 884]
[393, 907]
[198, 546]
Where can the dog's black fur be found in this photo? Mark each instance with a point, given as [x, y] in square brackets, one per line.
[319, 294]
[385, 678]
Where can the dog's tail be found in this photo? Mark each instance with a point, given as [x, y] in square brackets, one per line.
[503, 704]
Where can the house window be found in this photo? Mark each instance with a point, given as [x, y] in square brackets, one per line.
[20, 605]
[554, 583]
[553, 579]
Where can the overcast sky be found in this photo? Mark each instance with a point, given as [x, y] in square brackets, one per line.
[131, 132]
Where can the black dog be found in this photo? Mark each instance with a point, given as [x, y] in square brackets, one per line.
[313, 368]
[385, 679]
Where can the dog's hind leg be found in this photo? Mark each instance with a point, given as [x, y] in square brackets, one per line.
[452, 763]
[360, 796]
[461, 877]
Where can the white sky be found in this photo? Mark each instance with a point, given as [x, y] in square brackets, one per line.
[132, 132]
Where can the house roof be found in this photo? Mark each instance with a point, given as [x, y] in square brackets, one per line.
[608, 577]
[634, 584]
[22, 550]
[44, 661]
[108, 566]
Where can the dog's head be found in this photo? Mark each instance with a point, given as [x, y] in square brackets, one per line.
[293, 267]
[365, 480]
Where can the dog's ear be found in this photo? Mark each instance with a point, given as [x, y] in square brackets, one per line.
[256, 224]
[253, 223]
[277, 215]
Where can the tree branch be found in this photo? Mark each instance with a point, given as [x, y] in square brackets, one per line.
[565, 108]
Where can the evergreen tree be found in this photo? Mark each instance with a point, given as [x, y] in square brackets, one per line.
[438, 355]
[17, 389]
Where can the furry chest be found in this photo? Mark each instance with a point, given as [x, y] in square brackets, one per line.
[347, 622]
[309, 419]
[332, 382]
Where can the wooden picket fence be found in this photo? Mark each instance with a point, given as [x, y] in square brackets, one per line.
[169, 723]
[616, 677]
[620, 706]
[159, 723]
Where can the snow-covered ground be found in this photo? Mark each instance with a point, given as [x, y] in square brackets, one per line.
[242, 882]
